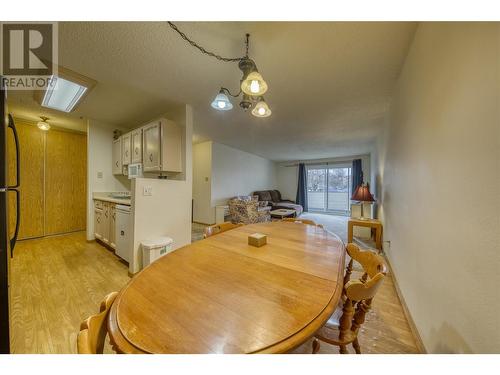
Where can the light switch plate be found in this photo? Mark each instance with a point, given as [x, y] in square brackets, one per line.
[147, 190]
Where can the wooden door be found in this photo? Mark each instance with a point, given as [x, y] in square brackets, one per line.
[151, 143]
[65, 182]
[32, 148]
[137, 146]
[112, 225]
[117, 156]
[126, 154]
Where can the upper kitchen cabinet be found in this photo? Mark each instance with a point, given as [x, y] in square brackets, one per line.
[161, 141]
[117, 156]
[126, 149]
[136, 146]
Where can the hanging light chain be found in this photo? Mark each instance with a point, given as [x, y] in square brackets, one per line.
[203, 50]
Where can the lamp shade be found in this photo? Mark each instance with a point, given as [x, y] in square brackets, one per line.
[362, 194]
[261, 109]
[254, 84]
[221, 102]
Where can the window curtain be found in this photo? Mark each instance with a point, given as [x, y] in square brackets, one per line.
[302, 187]
[357, 174]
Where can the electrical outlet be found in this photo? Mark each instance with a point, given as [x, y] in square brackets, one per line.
[147, 191]
[99, 174]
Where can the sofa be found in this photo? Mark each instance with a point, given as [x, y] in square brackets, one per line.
[248, 210]
[275, 201]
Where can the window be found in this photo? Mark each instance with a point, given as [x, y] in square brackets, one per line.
[329, 188]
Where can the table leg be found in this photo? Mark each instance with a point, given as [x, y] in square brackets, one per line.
[378, 239]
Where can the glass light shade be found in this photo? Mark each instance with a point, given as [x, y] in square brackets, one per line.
[63, 95]
[261, 109]
[221, 102]
[254, 84]
[43, 125]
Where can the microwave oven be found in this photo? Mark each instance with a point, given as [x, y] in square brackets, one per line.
[134, 170]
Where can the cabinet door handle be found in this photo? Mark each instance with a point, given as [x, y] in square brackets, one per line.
[151, 157]
[117, 163]
[136, 150]
[126, 153]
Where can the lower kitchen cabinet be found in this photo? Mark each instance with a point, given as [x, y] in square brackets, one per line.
[112, 226]
[105, 223]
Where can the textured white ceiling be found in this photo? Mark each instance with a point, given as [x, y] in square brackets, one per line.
[329, 82]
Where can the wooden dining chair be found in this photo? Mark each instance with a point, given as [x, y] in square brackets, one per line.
[302, 221]
[93, 330]
[219, 228]
[343, 326]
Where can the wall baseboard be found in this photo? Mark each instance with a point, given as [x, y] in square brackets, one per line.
[406, 311]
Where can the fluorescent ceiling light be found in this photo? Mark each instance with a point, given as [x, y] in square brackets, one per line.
[63, 95]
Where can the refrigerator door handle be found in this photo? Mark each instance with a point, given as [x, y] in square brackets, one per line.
[12, 125]
[14, 188]
[13, 240]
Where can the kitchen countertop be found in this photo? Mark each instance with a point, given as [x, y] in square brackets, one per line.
[107, 198]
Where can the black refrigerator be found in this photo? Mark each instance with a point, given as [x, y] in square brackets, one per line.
[7, 238]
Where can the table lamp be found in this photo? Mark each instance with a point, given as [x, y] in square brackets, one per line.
[362, 194]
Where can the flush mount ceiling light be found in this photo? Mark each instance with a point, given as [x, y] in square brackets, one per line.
[65, 91]
[252, 85]
[43, 125]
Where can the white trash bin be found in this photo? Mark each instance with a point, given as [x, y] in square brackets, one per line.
[154, 249]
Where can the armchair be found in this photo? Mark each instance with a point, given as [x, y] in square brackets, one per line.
[247, 210]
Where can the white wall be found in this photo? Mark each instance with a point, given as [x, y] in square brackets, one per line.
[167, 212]
[439, 177]
[203, 212]
[236, 172]
[288, 173]
[99, 159]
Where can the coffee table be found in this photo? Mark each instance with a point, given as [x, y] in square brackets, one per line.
[282, 212]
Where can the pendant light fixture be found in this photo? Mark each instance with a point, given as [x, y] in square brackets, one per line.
[43, 125]
[261, 109]
[221, 102]
[252, 84]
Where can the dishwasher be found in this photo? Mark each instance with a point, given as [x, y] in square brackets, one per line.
[123, 235]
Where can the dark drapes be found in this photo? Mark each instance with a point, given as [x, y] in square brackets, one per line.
[357, 174]
[302, 187]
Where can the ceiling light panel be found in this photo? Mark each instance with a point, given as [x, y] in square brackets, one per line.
[63, 95]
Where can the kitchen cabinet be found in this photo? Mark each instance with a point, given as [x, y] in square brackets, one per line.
[112, 226]
[151, 146]
[117, 156]
[136, 139]
[126, 149]
[98, 219]
[161, 147]
[105, 222]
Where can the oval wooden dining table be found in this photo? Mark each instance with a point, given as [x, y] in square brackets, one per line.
[221, 295]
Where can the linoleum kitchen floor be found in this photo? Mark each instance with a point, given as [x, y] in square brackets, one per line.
[57, 282]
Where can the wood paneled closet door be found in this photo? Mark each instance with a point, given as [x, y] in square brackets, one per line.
[32, 147]
[65, 182]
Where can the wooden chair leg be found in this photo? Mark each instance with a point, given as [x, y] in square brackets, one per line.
[355, 345]
[316, 346]
[343, 349]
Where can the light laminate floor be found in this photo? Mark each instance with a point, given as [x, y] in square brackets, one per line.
[59, 281]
